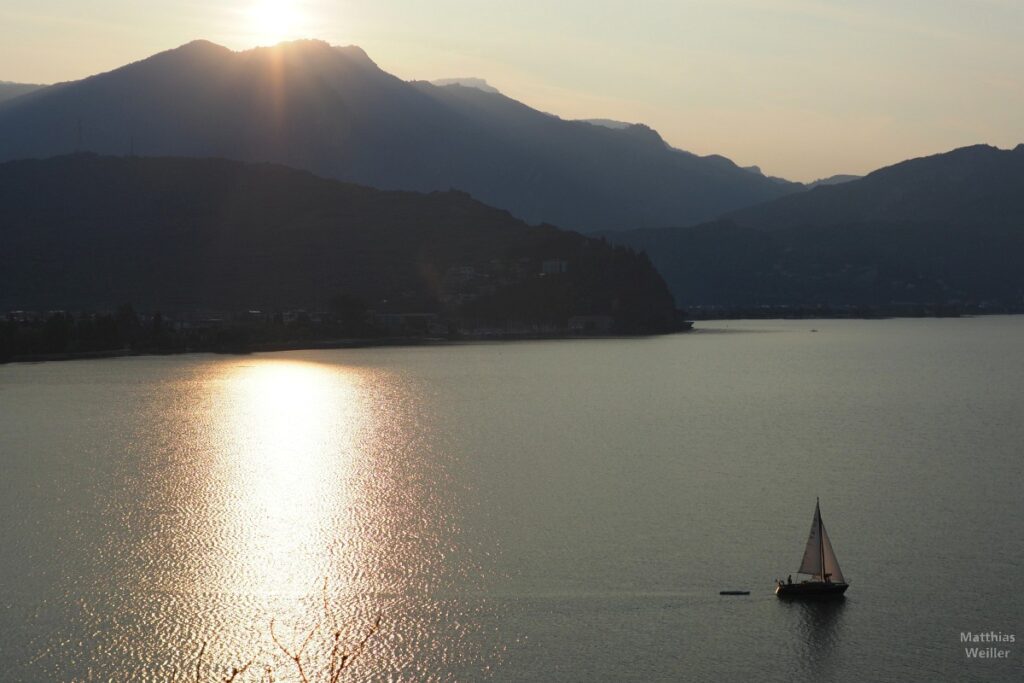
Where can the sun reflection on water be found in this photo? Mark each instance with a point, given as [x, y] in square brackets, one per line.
[309, 475]
[287, 451]
[254, 491]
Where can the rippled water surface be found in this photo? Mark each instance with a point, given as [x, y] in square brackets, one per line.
[527, 511]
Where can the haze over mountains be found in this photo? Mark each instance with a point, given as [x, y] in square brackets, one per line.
[944, 229]
[833, 180]
[332, 111]
[10, 90]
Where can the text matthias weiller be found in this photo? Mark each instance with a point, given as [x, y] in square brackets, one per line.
[986, 637]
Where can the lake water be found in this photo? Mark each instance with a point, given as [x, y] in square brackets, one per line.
[563, 510]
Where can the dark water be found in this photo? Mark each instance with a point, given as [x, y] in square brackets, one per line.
[526, 511]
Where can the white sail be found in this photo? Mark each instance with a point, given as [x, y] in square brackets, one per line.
[818, 551]
[811, 564]
[832, 571]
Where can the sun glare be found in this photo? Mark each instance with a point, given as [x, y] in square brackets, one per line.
[271, 21]
[289, 431]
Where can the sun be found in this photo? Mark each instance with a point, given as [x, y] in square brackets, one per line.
[271, 21]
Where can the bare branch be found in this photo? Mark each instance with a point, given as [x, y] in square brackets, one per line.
[199, 661]
[339, 657]
[277, 642]
[346, 659]
[296, 657]
[316, 627]
[333, 670]
[235, 671]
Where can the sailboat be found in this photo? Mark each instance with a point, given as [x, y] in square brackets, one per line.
[820, 563]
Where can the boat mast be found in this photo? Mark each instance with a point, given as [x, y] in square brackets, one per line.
[821, 538]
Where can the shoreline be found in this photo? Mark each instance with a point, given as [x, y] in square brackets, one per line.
[317, 345]
[384, 342]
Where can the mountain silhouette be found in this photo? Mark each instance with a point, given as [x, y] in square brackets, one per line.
[10, 90]
[86, 232]
[965, 185]
[833, 180]
[468, 82]
[943, 229]
[332, 111]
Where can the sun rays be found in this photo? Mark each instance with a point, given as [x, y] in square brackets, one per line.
[269, 22]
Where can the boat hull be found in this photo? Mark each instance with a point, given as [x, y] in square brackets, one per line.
[810, 590]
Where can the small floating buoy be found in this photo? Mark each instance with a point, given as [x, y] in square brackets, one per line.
[734, 592]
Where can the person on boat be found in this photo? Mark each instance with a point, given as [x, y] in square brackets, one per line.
[789, 579]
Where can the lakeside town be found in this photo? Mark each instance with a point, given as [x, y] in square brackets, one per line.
[29, 336]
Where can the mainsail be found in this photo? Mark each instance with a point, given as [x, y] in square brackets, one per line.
[819, 552]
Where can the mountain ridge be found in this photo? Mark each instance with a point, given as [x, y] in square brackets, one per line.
[333, 111]
[941, 230]
[920, 189]
[10, 90]
[89, 232]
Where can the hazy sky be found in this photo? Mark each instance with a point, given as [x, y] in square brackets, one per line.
[802, 88]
